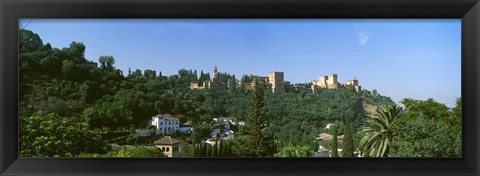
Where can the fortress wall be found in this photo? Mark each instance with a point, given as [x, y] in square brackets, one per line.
[333, 86]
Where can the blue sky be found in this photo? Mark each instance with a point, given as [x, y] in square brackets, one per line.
[417, 58]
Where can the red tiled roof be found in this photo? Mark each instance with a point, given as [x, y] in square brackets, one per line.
[166, 140]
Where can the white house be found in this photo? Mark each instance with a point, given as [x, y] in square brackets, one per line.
[166, 124]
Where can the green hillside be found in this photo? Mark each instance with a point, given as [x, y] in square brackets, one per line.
[64, 82]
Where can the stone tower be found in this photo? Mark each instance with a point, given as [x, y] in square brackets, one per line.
[332, 81]
[168, 145]
[322, 81]
[215, 72]
[354, 82]
[276, 79]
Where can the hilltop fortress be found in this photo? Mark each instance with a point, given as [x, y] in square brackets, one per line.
[331, 82]
[275, 81]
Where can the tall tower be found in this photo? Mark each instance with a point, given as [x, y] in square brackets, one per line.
[215, 72]
[276, 79]
[323, 81]
[332, 81]
[353, 82]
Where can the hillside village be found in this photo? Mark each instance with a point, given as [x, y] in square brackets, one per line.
[166, 124]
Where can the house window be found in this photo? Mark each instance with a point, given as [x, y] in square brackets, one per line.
[163, 148]
[161, 123]
[168, 149]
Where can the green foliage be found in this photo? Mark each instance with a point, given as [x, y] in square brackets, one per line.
[106, 63]
[428, 129]
[295, 151]
[145, 152]
[335, 142]
[423, 137]
[138, 152]
[254, 142]
[378, 131]
[348, 146]
[51, 135]
[29, 40]
[187, 150]
[201, 132]
[429, 108]
[222, 148]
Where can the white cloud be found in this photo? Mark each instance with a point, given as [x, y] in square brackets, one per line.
[364, 36]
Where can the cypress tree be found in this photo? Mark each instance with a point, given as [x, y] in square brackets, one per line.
[348, 146]
[254, 143]
[194, 148]
[201, 79]
[335, 142]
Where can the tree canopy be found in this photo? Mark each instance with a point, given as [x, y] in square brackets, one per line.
[428, 129]
[50, 135]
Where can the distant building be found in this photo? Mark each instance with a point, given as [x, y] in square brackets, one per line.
[195, 85]
[354, 82]
[209, 84]
[165, 124]
[169, 146]
[314, 88]
[276, 80]
[215, 72]
[231, 120]
[331, 82]
[327, 82]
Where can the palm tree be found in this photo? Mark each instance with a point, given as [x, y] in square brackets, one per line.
[378, 131]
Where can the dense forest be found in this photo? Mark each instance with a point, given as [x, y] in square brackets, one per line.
[91, 98]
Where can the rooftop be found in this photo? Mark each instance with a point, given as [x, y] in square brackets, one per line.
[167, 117]
[166, 140]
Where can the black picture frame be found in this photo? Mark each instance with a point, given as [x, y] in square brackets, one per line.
[466, 10]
